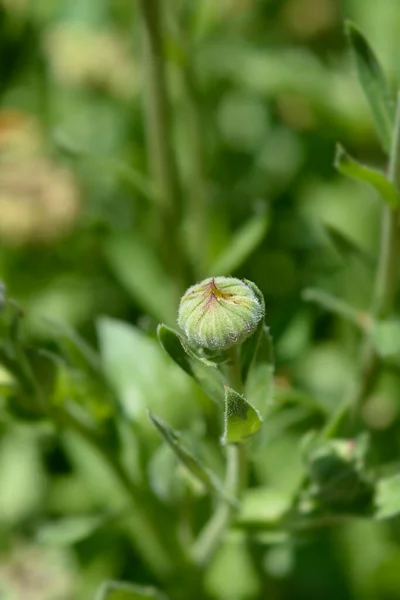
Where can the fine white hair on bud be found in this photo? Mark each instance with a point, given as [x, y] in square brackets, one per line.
[219, 312]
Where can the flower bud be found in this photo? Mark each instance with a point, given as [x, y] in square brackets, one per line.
[219, 312]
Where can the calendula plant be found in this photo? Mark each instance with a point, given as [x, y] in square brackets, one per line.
[185, 457]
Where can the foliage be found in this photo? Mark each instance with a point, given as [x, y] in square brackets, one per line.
[148, 146]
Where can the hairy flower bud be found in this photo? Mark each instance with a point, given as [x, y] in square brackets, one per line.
[219, 312]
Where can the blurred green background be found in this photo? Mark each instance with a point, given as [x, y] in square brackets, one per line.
[260, 91]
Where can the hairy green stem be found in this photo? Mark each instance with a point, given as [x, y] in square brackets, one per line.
[235, 480]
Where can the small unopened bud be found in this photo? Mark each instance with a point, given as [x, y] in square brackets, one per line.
[219, 312]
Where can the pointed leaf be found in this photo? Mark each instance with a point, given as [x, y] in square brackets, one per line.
[374, 84]
[209, 379]
[200, 472]
[350, 167]
[242, 420]
[242, 245]
[171, 343]
[119, 590]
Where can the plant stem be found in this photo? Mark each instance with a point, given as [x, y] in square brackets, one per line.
[212, 534]
[387, 272]
[235, 481]
[159, 138]
[197, 192]
[386, 283]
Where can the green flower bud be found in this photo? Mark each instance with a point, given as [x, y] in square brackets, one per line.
[219, 312]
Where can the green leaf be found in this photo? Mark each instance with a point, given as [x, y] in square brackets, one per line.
[70, 530]
[387, 497]
[201, 359]
[175, 345]
[242, 245]
[201, 369]
[242, 420]
[139, 270]
[119, 590]
[172, 345]
[23, 480]
[385, 336]
[249, 347]
[141, 373]
[374, 84]
[200, 472]
[350, 167]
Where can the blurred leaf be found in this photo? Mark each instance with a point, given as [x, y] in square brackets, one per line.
[134, 179]
[337, 306]
[242, 420]
[374, 84]
[263, 507]
[70, 530]
[118, 590]
[337, 470]
[350, 167]
[347, 247]
[200, 472]
[22, 477]
[136, 265]
[249, 347]
[387, 499]
[141, 373]
[241, 246]
[74, 346]
[162, 474]
[385, 336]
[232, 574]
